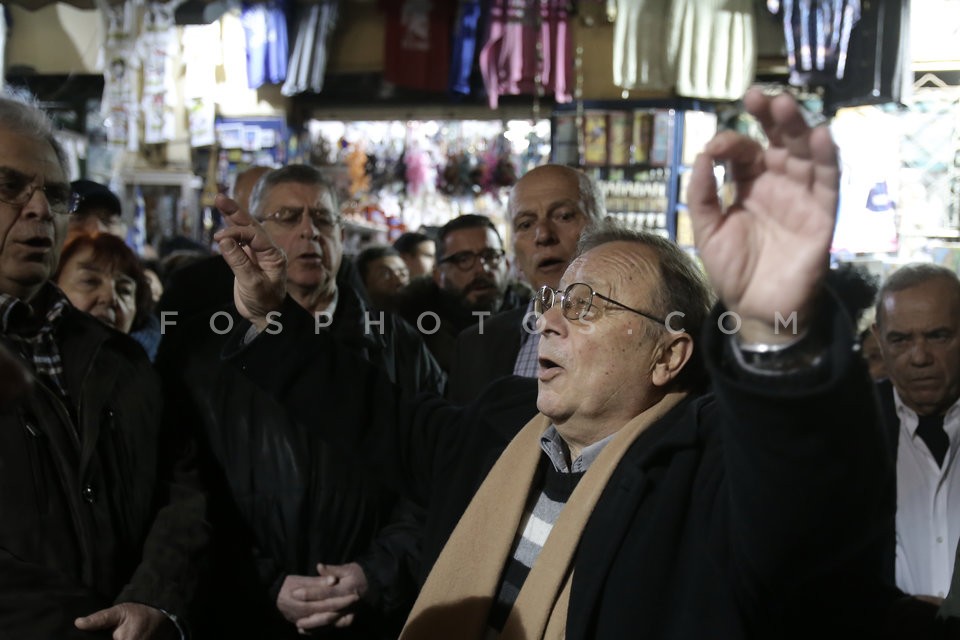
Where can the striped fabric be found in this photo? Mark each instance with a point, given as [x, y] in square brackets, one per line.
[558, 479]
[557, 487]
[526, 362]
[34, 335]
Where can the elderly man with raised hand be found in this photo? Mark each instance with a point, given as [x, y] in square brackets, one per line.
[103, 520]
[549, 207]
[631, 506]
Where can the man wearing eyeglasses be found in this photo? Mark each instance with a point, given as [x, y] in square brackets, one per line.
[631, 506]
[102, 526]
[469, 284]
[549, 208]
[285, 508]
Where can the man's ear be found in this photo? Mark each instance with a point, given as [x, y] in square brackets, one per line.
[673, 353]
[875, 330]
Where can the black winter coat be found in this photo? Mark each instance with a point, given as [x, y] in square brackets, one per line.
[423, 296]
[479, 358]
[283, 503]
[101, 509]
[757, 512]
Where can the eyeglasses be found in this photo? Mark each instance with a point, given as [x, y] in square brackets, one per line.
[466, 260]
[322, 219]
[576, 303]
[385, 274]
[17, 189]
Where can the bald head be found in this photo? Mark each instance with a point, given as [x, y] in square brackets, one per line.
[549, 208]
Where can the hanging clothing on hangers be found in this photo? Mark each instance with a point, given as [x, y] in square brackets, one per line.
[308, 62]
[466, 34]
[265, 29]
[714, 44]
[418, 43]
[640, 38]
[527, 40]
[817, 35]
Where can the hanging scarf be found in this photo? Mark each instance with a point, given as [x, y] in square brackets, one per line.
[455, 601]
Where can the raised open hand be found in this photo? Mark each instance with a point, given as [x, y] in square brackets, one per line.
[259, 265]
[768, 252]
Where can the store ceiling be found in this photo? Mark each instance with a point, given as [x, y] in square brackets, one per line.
[187, 11]
[33, 5]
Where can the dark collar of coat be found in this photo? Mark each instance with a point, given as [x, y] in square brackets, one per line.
[354, 322]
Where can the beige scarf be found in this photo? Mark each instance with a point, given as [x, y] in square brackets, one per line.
[455, 601]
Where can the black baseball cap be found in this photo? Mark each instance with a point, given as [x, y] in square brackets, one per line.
[94, 195]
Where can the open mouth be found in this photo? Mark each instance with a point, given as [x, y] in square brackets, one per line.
[550, 263]
[38, 242]
[547, 363]
[547, 369]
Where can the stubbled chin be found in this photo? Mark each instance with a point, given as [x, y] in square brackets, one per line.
[552, 269]
[308, 273]
[29, 273]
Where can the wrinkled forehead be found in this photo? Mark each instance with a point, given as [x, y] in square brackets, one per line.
[626, 269]
[298, 194]
[31, 157]
[934, 301]
[544, 188]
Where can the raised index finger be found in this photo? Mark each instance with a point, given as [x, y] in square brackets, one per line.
[231, 210]
[782, 120]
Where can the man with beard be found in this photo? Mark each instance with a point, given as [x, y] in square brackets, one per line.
[549, 208]
[469, 285]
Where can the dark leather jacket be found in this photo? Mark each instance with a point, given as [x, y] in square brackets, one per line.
[99, 503]
[423, 296]
[279, 494]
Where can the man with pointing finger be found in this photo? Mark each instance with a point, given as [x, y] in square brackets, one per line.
[631, 505]
[306, 536]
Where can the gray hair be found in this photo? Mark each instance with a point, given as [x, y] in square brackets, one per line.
[594, 203]
[682, 286]
[912, 275]
[20, 113]
[295, 173]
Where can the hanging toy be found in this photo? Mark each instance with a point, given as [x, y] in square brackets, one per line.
[357, 171]
[416, 169]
